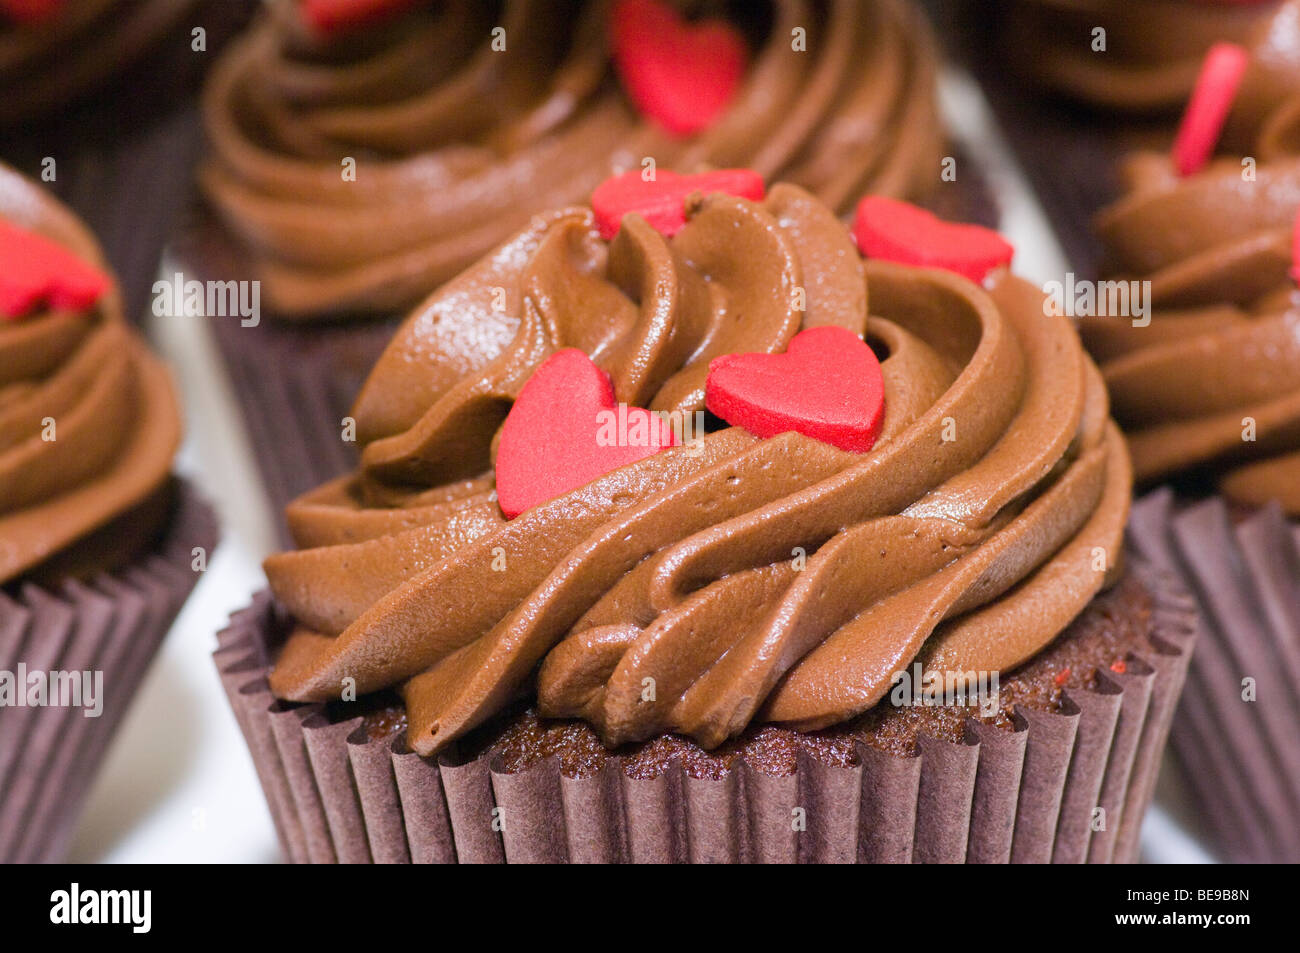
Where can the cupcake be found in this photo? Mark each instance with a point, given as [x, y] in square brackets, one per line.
[98, 103]
[714, 541]
[1149, 53]
[101, 544]
[1091, 81]
[359, 178]
[1207, 388]
[54, 51]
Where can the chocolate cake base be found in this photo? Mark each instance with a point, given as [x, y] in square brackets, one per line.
[1061, 771]
[1235, 731]
[108, 622]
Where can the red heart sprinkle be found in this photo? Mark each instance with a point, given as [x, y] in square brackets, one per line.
[344, 16]
[662, 202]
[897, 231]
[683, 75]
[30, 12]
[826, 385]
[34, 270]
[1207, 110]
[566, 429]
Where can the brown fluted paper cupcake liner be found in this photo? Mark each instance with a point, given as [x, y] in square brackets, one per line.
[1025, 794]
[111, 623]
[1239, 754]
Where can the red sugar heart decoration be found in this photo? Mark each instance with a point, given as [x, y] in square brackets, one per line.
[35, 270]
[556, 439]
[662, 202]
[30, 12]
[1207, 110]
[344, 16]
[682, 75]
[826, 385]
[897, 231]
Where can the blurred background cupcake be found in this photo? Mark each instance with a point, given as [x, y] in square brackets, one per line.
[464, 119]
[1080, 84]
[101, 543]
[1207, 388]
[97, 102]
[497, 641]
[1143, 56]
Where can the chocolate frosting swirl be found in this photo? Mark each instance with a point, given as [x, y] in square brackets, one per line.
[1154, 50]
[116, 418]
[968, 537]
[45, 65]
[1223, 346]
[458, 145]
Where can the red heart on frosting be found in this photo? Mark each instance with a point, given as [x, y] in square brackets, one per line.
[897, 231]
[566, 429]
[826, 385]
[1207, 110]
[35, 270]
[30, 11]
[343, 16]
[662, 201]
[681, 74]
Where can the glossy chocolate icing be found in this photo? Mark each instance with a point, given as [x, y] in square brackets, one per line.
[986, 517]
[115, 415]
[458, 145]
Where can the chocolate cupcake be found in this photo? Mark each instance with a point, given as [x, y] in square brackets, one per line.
[56, 51]
[100, 104]
[513, 635]
[1148, 53]
[1207, 388]
[101, 544]
[463, 120]
[1074, 101]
